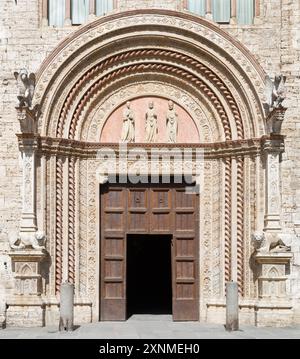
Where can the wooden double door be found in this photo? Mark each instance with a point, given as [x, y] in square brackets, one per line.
[149, 210]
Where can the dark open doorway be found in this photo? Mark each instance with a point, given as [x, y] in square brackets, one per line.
[149, 274]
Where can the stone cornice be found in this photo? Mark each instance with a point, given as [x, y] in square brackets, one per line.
[273, 143]
[65, 147]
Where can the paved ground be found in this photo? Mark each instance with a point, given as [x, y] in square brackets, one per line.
[152, 327]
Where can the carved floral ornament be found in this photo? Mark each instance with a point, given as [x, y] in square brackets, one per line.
[72, 94]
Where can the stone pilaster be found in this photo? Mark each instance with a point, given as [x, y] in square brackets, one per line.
[272, 149]
[28, 146]
[25, 307]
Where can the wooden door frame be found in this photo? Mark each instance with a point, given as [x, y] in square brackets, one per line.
[149, 186]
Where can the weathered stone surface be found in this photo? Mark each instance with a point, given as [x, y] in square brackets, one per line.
[274, 41]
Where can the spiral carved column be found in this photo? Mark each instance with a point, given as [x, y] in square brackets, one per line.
[59, 224]
[227, 223]
[71, 222]
[240, 224]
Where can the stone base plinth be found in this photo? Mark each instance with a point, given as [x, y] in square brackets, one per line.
[32, 311]
[262, 313]
[216, 312]
[82, 312]
[25, 312]
[273, 314]
[272, 275]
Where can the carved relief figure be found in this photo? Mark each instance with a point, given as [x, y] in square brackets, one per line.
[26, 86]
[128, 130]
[32, 240]
[275, 92]
[269, 243]
[172, 123]
[151, 123]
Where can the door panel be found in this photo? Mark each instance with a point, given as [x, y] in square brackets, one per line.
[160, 211]
[156, 209]
[185, 256]
[113, 254]
[138, 221]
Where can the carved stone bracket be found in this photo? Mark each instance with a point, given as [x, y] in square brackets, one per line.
[275, 120]
[27, 119]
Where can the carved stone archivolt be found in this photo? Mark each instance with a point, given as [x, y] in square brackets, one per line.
[157, 68]
[202, 28]
[208, 128]
[197, 26]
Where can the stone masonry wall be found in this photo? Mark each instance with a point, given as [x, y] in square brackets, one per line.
[274, 39]
[134, 4]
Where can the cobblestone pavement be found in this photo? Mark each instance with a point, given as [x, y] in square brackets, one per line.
[152, 327]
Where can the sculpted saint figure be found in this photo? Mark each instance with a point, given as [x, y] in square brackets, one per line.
[128, 130]
[172, 123]
[151, 123]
